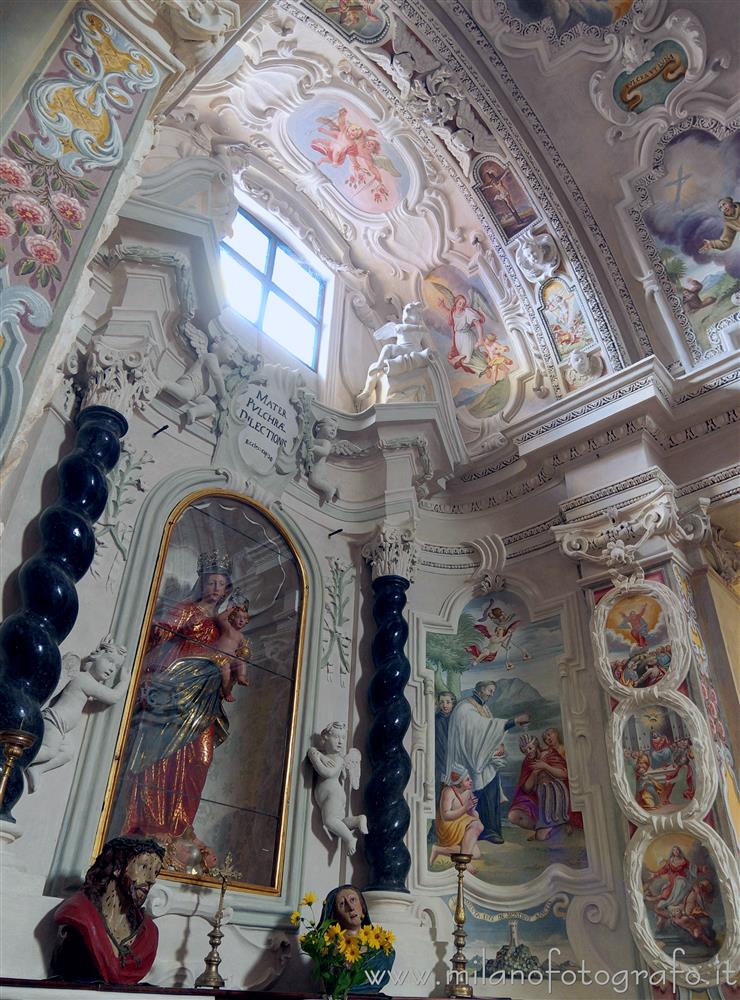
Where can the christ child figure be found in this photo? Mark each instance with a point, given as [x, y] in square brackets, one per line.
[233, 646]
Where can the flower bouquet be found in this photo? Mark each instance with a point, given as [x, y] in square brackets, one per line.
[340, 959]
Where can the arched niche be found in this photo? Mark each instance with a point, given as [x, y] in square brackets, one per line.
[203, 757]
[148, 570]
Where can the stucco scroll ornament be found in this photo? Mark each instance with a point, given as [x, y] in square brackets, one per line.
[726, 555]
[86, 680]
[439, 100]
[616, 544]
[411, 347]
[17, 304]
[673, 58]
[331, 762]
[392, 552]
[77, 113]
[537, 257]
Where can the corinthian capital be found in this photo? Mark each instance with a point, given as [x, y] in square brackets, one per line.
[392, 552]
[121, 378]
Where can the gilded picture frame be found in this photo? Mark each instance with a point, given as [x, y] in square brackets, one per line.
[205, 751]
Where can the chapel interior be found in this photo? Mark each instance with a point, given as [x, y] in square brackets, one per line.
[369, 498]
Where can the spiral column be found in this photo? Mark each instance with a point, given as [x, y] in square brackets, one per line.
[391, 556]
[30, 661]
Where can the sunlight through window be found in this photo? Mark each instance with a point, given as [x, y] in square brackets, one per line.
[273, 287]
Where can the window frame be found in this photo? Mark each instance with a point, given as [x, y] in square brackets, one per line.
[268, 285]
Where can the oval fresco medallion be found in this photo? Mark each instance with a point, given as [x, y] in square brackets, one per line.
[659, 759]
[680, 890]
[637, 642]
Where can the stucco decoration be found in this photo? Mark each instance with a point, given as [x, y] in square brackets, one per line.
[686, 859]
[537, 256]
[395, 375]
[336, 641]
[661, 761]
[392, 552]
[555, 31]
[317, 444]
[200, 27]
[582, 368]
[337, 773]
[17, 304]
[363, 21]
[614, 539]
[660, 75]
[640, 639]
[409, 57]
[85, 680]
[57, 161]
[686, 215]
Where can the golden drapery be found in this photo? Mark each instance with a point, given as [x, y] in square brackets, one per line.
[177, 724]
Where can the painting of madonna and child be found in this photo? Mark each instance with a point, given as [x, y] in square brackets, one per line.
[203, 756]
[502, 790]
[680, 890]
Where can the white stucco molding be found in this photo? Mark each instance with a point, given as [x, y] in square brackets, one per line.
[392, 552]
[717, 969]
[614, 537]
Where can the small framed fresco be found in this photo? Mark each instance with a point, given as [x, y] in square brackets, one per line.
[203, 759]
[661, 759]
[504, 196]
[640, 639]
[683, 909]
[564, 318]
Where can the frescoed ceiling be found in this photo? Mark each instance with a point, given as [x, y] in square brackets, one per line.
[542, 158]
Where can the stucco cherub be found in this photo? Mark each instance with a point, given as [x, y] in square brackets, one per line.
[87, 681]
[331, 762]
[201, 390]
[411, 347]
[537, 256]
[315, 454]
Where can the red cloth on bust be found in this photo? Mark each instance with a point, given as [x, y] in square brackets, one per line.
[81, 913]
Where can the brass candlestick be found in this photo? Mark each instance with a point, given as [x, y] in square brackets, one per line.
[460, 987]
[210, 976]
[15, 742]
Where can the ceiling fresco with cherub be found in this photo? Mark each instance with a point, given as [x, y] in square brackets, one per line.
[374, 113]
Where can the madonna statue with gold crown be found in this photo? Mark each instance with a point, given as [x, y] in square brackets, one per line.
[179, 718]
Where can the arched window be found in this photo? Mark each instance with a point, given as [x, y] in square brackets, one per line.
[273, 287]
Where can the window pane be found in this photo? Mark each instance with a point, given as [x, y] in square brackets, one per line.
[249, 241]
[297, 281]
[285, 325]
[243, 290]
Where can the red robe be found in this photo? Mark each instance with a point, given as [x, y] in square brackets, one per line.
[81, 914]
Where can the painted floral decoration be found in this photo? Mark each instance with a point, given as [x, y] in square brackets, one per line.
[40, 207]
[340, 960]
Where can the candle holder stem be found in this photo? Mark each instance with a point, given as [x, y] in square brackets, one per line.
[459, 986]
[210, 977]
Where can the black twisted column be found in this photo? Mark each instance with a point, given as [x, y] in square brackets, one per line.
[390, 555]
[30, 661]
